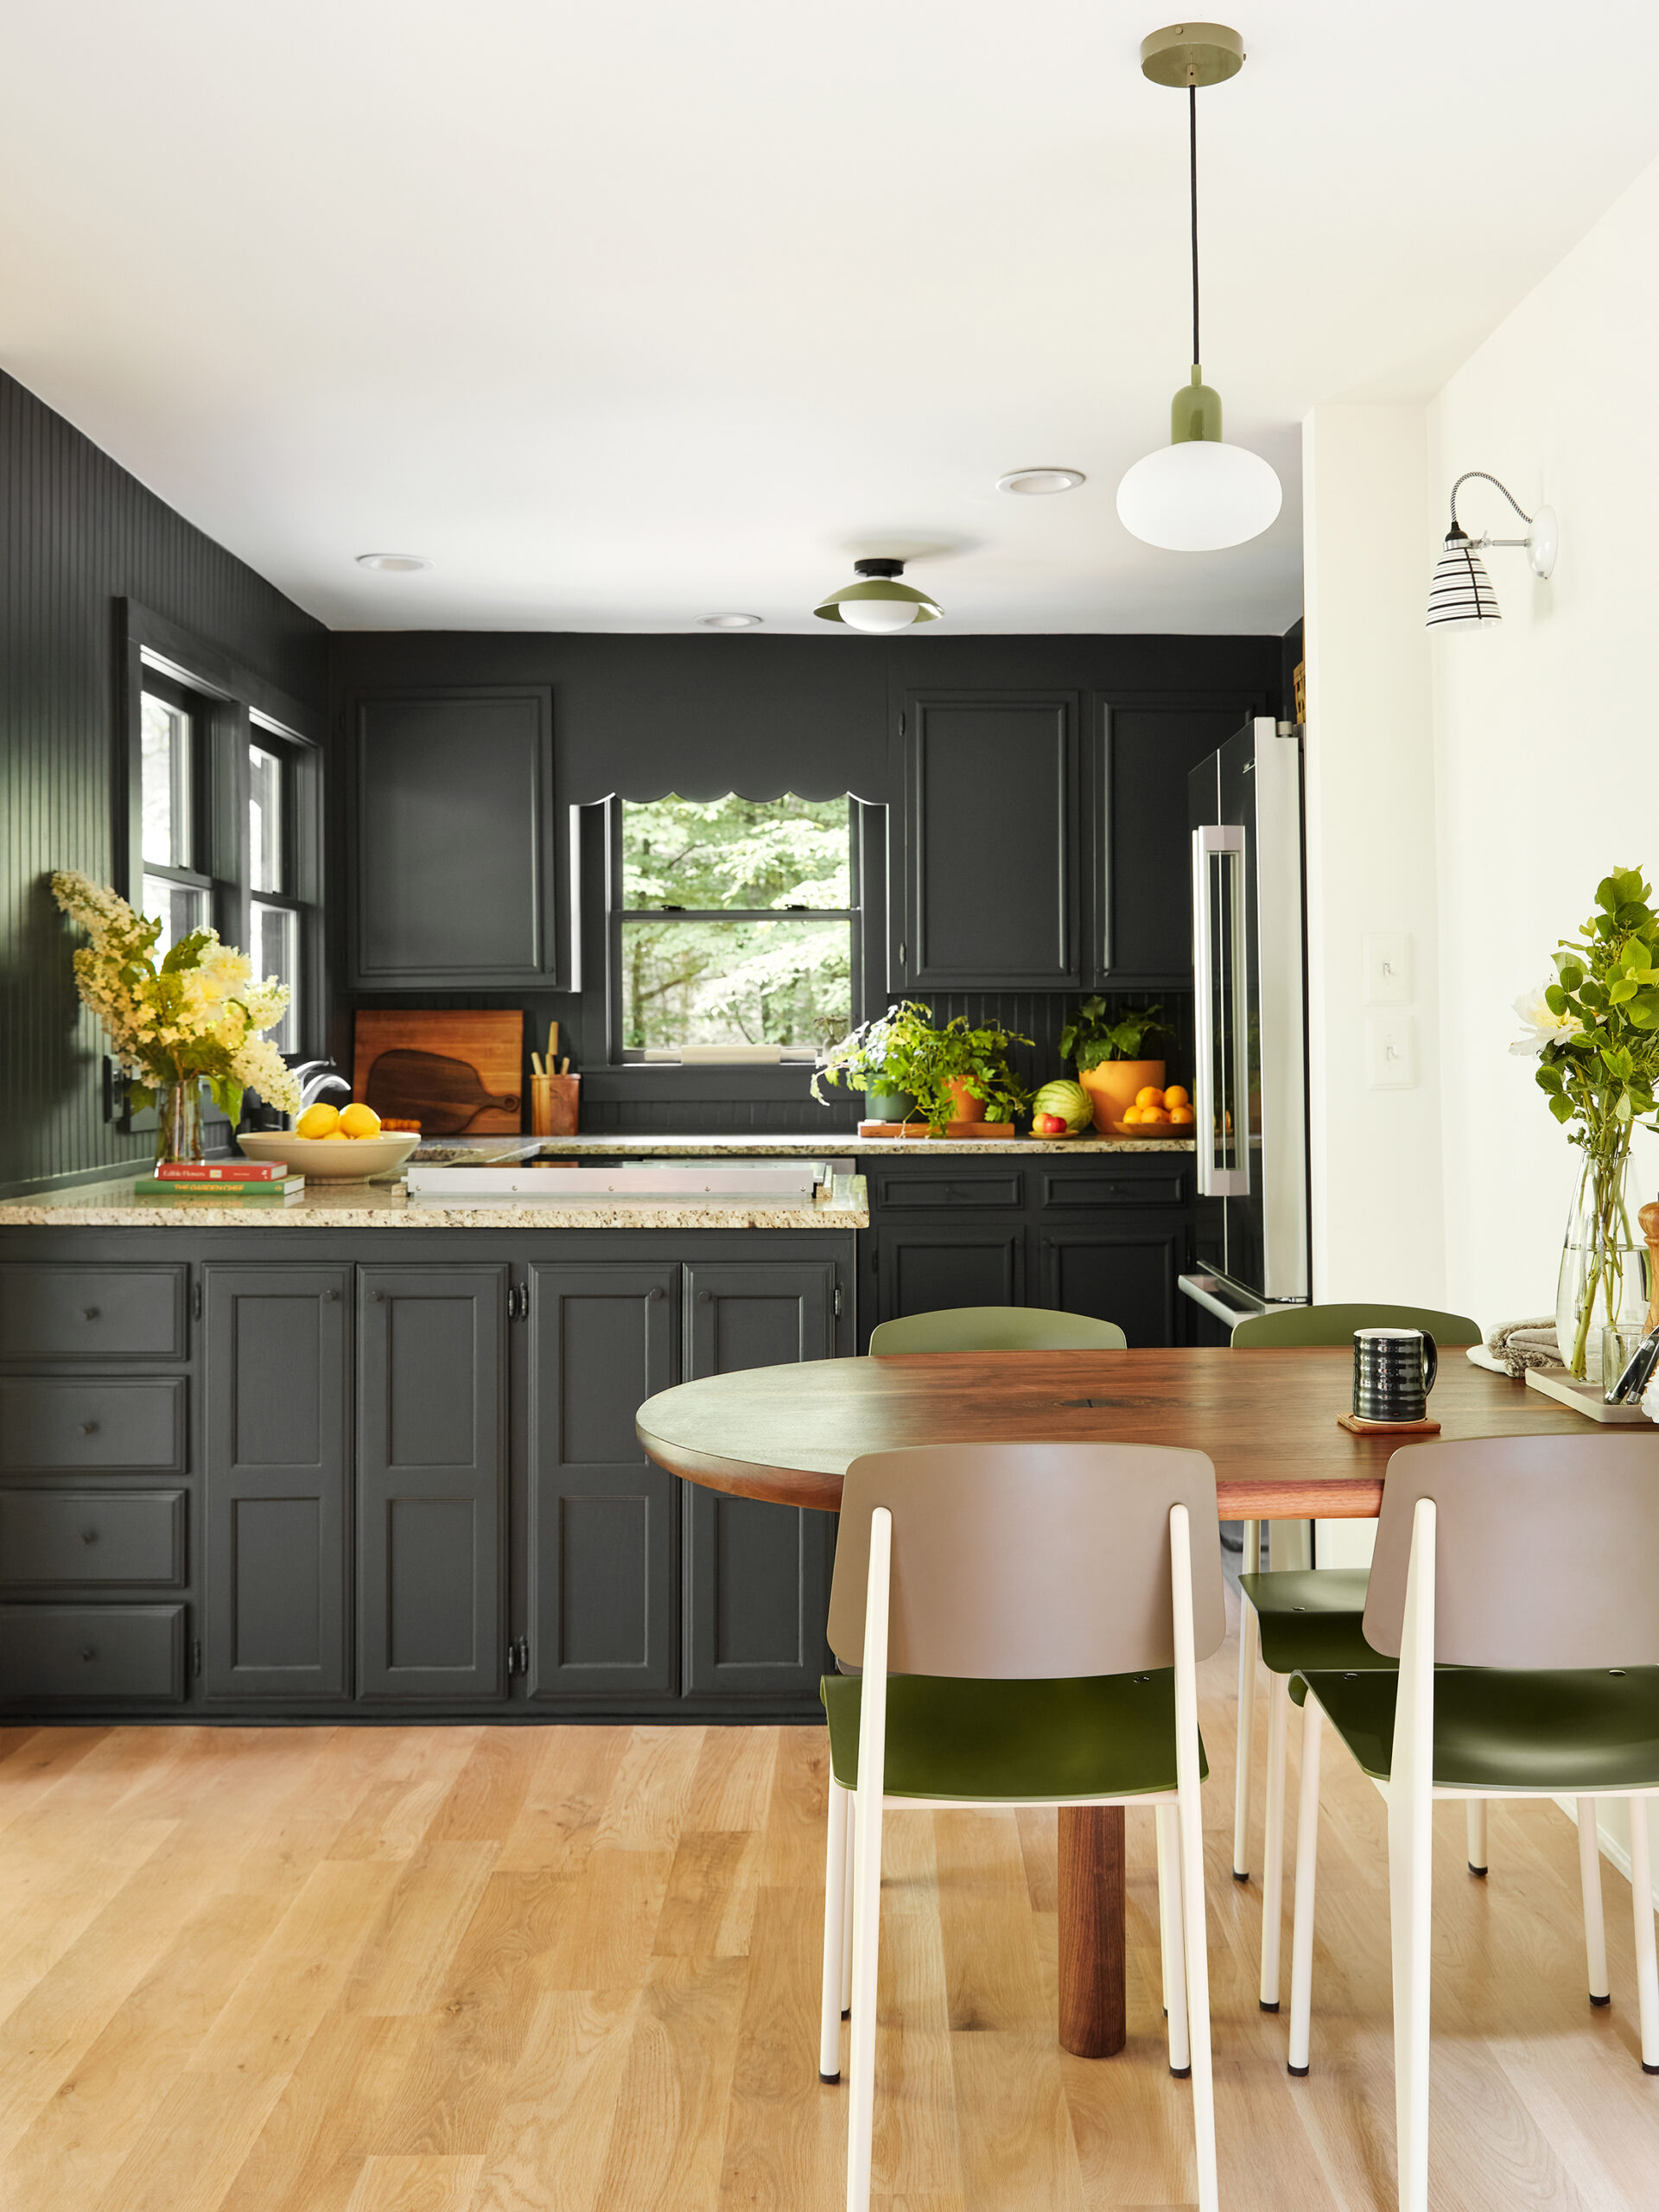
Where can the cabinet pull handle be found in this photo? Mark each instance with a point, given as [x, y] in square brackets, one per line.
[89, 1535]
[89, 1313]
[89, 1428]
[88, 1651]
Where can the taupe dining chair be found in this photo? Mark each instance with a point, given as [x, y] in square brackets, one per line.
[1296, 1618]
[1029, 1618]
[1516, 1580]
[995, 1328]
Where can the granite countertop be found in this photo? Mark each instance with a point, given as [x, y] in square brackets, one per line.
[838, 1143]
[109, 1205]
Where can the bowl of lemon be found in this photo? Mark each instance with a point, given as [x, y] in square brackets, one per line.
[334, 1144]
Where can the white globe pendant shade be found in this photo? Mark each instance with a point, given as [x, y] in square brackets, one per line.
[1198, 496]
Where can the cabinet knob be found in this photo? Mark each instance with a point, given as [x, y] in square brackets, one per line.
[705, 1298]
[89, 1535]
[378, 1296]
[656, 1291]
[87, 1651]
[332, 1296]
[89, 1428]
[89, 1313]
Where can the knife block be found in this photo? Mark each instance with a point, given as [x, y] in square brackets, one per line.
[554, 1105]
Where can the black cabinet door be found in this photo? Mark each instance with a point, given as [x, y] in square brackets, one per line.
[604, 1523]
[431, 1475]
[1122, 1270]
[986, 886]
[1140, 928]
[276, 1381]
[453, 840]
[757, 1576]
[922, 1267]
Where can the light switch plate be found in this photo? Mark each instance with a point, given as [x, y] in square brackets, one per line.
[1390, 1051]
[1388, 967]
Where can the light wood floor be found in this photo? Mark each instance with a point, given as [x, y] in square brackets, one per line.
[489, 1970]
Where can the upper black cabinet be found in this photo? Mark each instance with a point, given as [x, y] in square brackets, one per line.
[985, 885]
[452, 875]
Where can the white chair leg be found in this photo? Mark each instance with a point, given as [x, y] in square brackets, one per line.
[1250, 1631]
[1647, 1969]
[1272, 1844]
[1197, 1997]
[834, 1916]
[867, 1930]
[847, 1916]
[1171, 1935]
[1595, 1934]
[1307, 1846]
[1475, 1820]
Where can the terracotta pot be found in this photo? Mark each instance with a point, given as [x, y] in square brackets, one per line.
[964, 1106]
[1113, 1084]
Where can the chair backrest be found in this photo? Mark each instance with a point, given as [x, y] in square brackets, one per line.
[1335, 1325]
[1027, 1562]
[996, 1328]
[1546, 1555]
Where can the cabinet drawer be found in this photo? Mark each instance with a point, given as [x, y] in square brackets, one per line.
[83, 1313]
[75, 1536]
[103, 1654]
[910, 1191]
[1116, 1186]
[135, 1424]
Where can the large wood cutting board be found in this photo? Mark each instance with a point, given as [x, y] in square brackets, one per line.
[453, 1073]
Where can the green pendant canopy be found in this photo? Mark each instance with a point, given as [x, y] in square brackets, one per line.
[1195, 412]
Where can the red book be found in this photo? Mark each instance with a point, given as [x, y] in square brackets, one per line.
[222, 1171]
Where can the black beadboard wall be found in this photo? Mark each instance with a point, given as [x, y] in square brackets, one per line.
[79, 534]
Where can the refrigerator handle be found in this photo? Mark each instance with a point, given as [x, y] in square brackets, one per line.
[1221, 1074]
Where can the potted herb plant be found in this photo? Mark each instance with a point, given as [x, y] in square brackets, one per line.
[911, 1067]
[1106, 1049]
[878, 1057]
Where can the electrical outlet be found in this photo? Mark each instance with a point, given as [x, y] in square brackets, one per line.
[1390, 1051]
[1388, 967]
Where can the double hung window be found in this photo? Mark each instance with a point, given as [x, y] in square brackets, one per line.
[173, 780]
[276, 913]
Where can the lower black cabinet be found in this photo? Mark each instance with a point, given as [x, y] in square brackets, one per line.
[1124, 1271]
[431, 1482]
[757, 1576]
[927, 1265]
[603, 1595]
[277, 1392]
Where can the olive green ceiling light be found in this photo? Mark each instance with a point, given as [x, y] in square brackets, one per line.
[878, 604]
[1196, 493]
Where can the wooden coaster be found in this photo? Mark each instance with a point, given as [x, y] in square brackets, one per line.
[1388, 1427]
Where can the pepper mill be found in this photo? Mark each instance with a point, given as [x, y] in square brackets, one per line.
[1648, 1219]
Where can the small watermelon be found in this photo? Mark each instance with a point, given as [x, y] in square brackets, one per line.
[1068, 1100]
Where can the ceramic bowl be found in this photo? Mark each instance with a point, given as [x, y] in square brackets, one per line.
[332, 1160]
[1164, 1130]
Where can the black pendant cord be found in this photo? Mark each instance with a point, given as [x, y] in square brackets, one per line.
[1192, 141]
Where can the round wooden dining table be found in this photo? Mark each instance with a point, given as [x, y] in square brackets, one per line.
[1268, 1419]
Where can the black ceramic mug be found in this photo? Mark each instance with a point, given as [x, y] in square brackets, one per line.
[1394, 1373]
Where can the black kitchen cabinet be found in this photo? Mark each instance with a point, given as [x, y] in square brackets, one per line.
[1141, 903]
[985, 864]
[431, 1478]
[276, 1391]
[603, 1549]
[452, 882]
[925, 1264]
[1124, 1271]
[757, 1576]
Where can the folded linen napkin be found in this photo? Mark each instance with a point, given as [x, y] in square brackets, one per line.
[1518, 1345]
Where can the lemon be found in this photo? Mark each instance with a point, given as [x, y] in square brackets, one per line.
[318, 1120]
[359, 1121]
[334, 1136]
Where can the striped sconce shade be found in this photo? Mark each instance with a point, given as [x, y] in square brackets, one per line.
[1461, 594]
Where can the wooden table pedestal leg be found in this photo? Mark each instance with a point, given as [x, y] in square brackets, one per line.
[1093, 2017]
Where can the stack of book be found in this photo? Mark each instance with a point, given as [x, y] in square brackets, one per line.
[221, 1183]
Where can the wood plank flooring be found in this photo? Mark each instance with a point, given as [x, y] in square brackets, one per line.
[576, 1970]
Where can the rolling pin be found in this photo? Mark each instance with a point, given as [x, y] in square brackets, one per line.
[1648, 1220]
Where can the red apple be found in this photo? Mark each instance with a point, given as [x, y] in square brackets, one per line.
[1049, 1125]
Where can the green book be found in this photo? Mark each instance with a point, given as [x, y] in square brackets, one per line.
[151, 1190]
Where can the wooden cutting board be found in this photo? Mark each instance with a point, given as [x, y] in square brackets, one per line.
[452, 1072]
[996, 1130]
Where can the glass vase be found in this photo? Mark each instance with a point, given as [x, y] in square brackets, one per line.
[1601, 1293]
[178, 1122]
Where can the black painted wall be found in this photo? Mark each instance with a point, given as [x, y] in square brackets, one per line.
[80, 533]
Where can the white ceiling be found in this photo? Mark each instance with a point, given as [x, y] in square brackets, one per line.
[631, 311]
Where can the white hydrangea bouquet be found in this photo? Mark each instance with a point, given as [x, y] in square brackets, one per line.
[195, 1014]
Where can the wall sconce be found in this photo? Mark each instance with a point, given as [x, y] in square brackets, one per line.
[1461, 594]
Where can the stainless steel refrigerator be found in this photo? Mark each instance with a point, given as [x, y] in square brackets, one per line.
[1250, 1094]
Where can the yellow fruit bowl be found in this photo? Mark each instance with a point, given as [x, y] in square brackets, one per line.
[332, 1160]
[1165, 1129]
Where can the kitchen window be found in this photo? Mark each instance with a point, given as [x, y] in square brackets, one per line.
[277, 915]
[736, 923]
[172, 782]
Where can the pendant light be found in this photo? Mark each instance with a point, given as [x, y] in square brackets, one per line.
[1196, 493]
[879, 604]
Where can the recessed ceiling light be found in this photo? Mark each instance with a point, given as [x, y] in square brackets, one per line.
[728, 621]
[399, 564]
[1034, 483]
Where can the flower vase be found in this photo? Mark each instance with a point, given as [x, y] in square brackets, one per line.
[1601, 1297]
[178, 1122]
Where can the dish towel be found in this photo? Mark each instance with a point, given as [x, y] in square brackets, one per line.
[1514, 1346]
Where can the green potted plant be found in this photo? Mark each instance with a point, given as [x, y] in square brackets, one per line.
[911, 1067]
[969, 1076]
[1106, 1049]
[879, 1058]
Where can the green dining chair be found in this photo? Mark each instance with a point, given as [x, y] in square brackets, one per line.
[996, 1328]
[1027, 1619]
[1296, 1618]
[1517, 1582]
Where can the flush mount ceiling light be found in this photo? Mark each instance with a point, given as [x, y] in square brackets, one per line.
[1036, 483]
[395, 564]
[1196, 493]
[1461, 596]
[879, 603]
[728, 621]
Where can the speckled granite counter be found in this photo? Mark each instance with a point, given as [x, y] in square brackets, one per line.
[386, 1206]
[840, 1144]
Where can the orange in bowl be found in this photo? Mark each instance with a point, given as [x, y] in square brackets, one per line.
[1176, 1096]
[1150, 1096]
